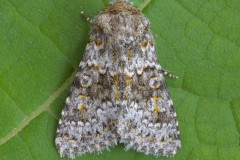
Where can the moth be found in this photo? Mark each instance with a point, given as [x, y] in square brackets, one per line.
[119, 92]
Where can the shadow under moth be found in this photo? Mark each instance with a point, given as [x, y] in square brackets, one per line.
[119, 92]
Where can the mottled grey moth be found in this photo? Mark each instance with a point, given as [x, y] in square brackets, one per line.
[119, 92]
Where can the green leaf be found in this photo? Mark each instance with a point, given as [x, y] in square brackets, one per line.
[42, 42]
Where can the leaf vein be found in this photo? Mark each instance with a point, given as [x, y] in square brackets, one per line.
[26, 147]
[144, 5]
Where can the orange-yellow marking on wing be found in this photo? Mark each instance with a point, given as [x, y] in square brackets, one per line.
[99, 43]
[82, 106]
[129, 53]
[82, 96]
[116, 88]
[128, 81]
[155, 98]
[150, 42]
[144, 44]
[156, 87]
[156, 108]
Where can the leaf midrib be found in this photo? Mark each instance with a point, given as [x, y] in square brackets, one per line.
[41, 108]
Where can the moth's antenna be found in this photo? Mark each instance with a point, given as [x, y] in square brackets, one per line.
[129, 1]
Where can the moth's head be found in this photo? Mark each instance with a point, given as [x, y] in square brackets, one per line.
[118, 6]
[120, 15]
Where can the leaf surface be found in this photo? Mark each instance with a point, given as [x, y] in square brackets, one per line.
[41, 45]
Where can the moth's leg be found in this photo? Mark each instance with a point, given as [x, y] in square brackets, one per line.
[168, 74]
[86, 17]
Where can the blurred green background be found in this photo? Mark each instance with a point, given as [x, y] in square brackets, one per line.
[41, 45]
